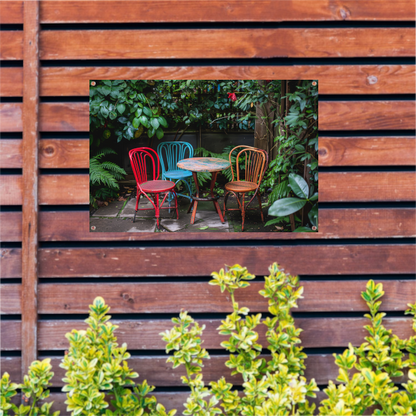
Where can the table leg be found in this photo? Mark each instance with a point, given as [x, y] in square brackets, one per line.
[216, 204]
[194, 203]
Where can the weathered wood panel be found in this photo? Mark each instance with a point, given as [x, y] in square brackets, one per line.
[226, 43]
[11, 262]
[341, 79]
[53, 189]
[367, 186]
[10, 153]
[11, 299]
[11, 12]
[11, 117]
[11, 79]
[11, 335]
[54, 153]
[201, 261]
[357, 115]
[200, 297]
[63, 11]
[333, 115]
[333, 223]
[11, 47]
[367, 151]
[144, 334]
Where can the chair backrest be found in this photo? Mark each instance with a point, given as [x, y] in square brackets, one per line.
[255, 163]
[139, 159]
[170, 153]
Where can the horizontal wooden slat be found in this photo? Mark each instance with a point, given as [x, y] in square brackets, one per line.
[64, 117]
[367, 151]
[201, 297]
[340, 79]
[53, 189]
[10, 153]
[333, 223]
[333, 115]
[10, 299]
[11, 335]
[201, 261]
[11, 47]
[211, 11]
[11, 117]
[367, 115]
[367, 186]
[55, 153]
[11, 262]
[11, 12]
[11, 80]
[144, 334]
[226, 43]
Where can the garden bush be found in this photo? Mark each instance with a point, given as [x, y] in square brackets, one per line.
[98, 380]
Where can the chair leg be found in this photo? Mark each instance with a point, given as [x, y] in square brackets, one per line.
[261, 208]
[137, 205]
[157, 210]
[243, 211]
[225, 203]
[176, 203]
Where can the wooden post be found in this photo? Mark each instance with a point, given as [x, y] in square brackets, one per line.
[30, 182]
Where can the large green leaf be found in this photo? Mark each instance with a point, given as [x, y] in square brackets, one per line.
[163, 121]
[136, 123]
[121, 108]
[159, 133]
[299, 185]
[286, 206]
[155, 123]
[144, 120]
[147, 111]
[313, 215]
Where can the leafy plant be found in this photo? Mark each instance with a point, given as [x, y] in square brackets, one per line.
[270, 388]
[286, 206]
[34, 389]
[97, 365]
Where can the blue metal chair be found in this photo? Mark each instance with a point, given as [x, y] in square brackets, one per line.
[170, 153]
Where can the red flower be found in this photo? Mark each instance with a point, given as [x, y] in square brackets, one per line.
[232, 96]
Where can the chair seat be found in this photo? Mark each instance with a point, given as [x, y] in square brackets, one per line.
[157, 186]
[177, 174]
[241, 186]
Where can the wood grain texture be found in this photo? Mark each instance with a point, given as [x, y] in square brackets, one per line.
[340, 79]
[367, 151]
[333, 115]
[199, 297]
[11, 336]
[64, 117]
[367, 186]
[11, 79]
[333, 223]
[367, 115]
[30, 183]
[64, 153]
[201, 261]
[144, 334]
[11, 48]
[53, 189]
[11, 117]
[11, 153]
[64, 11]
[11, 299]
[11, 263]
[11, 12]
[226, 43]
[11, 226]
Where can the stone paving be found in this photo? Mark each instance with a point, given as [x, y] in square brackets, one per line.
[118, 217]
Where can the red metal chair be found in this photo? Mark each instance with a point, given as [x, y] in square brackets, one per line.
[140, 158]
[256, 162]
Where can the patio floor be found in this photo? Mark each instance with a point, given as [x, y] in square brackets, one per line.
[118, 217]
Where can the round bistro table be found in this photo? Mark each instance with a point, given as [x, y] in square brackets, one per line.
[204, 164]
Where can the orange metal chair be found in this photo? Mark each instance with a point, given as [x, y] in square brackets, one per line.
[256, 161]
[140, 158]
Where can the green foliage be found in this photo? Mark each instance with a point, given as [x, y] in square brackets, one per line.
[96, 365]
[275, 387]
[286, 206]
[34, 389]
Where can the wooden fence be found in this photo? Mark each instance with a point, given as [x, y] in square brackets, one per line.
[52, 266]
